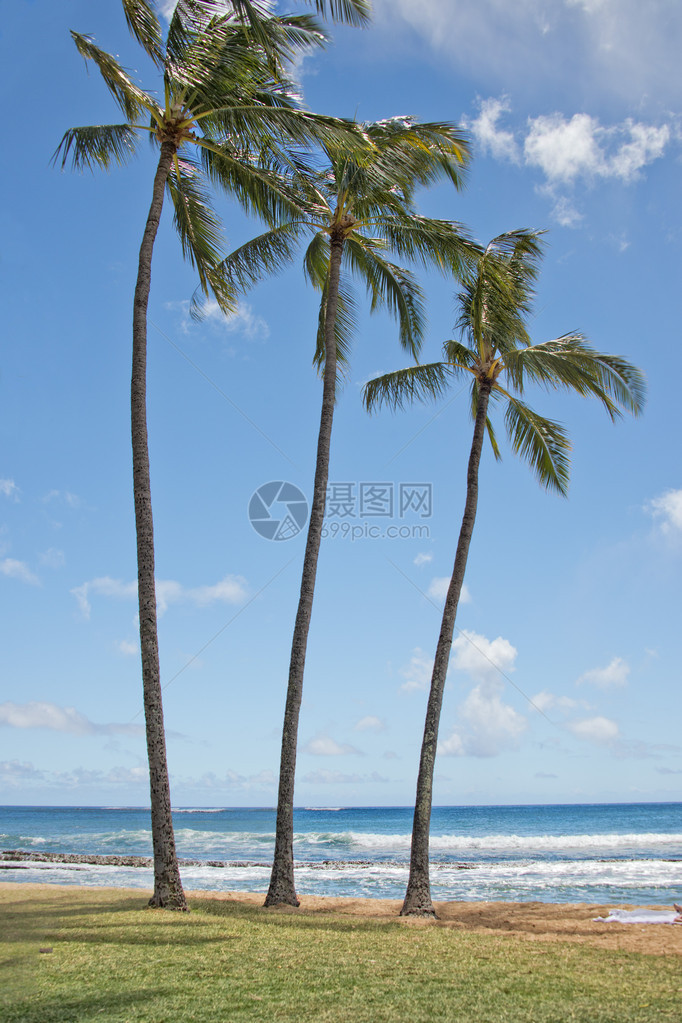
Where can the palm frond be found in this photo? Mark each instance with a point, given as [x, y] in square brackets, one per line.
[279, 126]
[444, 244]
[181, 31]
[194, 219]
[541, 442]
[391, 286]
[351, 12]
[97, 145]
[267, 254]
[425, 382]
[459, 355]
[144, 25]
[414, 153]
[131, 99]
[571, 362]
[344, 326]
[259, 190]
[316, 261]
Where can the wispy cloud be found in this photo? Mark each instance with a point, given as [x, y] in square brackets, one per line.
[423, 559]
[14, 569]
[667, 511]
[599, 730]
[64, 497]
[52, 558]
[231, 590]
[621, 48]
[230, 781]
[325, 746]
[417, 673]
[36, 714]
[243, 320]
[8, 488]
[370, 724]
[614, 674]
[15, 774]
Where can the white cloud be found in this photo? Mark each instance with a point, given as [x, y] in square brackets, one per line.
[488, 135]
[580, 147]
[438, 590]
[563, 149]
[482, 658]
[325, 746]
[18, 570]
[667, 509]
[599, 730]
[370, 724]
[104, 586]
[487, 726]
[570, 150]
[37, 714]
[423, 559]
[230, 590]
[418, 672]
[242, 321]
[8, 488]
[565, 213]
[549, 701]
[614, 674]
[324, 777]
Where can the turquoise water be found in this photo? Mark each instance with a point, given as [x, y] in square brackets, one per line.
[625, 853]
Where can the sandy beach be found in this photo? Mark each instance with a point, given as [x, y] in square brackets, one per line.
[523, 921]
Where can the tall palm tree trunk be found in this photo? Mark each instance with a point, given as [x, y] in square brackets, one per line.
[168, 892]
[282, 888]
[418, 895]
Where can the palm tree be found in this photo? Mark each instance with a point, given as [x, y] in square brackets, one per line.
[225, 94]
[358, 210]
[500, 360]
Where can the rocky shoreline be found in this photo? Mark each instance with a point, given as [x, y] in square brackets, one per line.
[15, 856]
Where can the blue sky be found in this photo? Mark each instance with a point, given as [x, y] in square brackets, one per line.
[564, 681]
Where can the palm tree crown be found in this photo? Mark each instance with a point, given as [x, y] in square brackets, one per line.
[495, 352]
[363, 202]
[225, 95]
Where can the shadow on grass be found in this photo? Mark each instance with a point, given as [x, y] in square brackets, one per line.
[74, 1010]
[285, 917]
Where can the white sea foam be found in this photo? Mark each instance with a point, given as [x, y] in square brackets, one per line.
[202, 809]
[638, 882]
[511, 844]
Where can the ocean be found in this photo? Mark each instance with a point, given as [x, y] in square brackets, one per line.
[598, 853]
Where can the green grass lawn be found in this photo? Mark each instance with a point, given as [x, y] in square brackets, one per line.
[112, 960]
